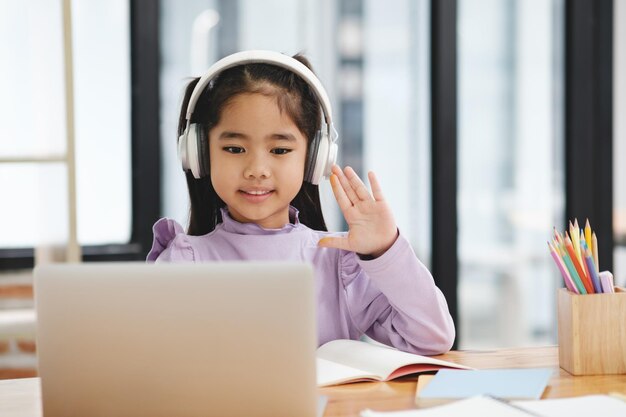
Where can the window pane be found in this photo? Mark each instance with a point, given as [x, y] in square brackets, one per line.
[38, 204]
[511, 189]
[102, 100]
[31, 78]
[397, 111]
[32, 75]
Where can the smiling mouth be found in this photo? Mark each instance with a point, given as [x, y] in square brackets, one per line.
[256, 192]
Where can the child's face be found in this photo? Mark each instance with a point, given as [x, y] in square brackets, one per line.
[257, 160]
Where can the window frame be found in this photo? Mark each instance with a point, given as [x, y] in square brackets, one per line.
[444, 114]
[589, 119]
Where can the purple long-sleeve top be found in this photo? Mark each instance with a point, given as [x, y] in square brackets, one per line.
[392, 299]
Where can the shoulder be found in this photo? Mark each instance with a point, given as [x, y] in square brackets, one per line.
[170, 242]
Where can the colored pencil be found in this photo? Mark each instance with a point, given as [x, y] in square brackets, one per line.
[588, 233]
[582, 254]
[570, 250]
[595, 279]
[594, 251]
[563, 269]
[573, 234]
[572, 270]
[575, 253]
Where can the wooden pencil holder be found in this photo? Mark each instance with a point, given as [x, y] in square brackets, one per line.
[592, 332]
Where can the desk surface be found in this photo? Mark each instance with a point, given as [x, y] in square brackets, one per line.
[21, 397]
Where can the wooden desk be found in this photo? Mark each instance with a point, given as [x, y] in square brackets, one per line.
[349, 400]
[21, 397]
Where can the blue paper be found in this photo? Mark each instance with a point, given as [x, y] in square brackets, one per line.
[503, 383]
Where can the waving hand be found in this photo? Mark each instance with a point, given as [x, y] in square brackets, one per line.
[371, 226]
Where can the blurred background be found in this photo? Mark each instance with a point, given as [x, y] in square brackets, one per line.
[486, 88]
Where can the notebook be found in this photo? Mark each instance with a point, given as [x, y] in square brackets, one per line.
[185, 340]
[509, 384]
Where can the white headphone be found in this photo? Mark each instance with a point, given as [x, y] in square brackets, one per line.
[322, 155]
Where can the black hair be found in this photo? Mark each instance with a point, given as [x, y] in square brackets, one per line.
[293, 95]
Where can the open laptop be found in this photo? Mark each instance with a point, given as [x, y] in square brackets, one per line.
[185, 340]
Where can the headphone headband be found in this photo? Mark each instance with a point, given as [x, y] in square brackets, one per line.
[322, 152]
[264, 57]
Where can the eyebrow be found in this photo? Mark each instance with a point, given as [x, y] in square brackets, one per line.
[275, 136]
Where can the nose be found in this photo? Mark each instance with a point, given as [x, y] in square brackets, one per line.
[257, 167]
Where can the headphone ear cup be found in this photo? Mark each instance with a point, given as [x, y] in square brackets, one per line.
[331, 160]
[312, 157]
[325, 156]
[182, 151]
[202, 142]
[188, 150]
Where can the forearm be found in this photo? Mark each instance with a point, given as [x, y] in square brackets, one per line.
[413, 313]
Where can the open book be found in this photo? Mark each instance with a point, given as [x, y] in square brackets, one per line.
[343, 361]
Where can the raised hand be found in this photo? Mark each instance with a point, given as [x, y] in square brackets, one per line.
[371, 226]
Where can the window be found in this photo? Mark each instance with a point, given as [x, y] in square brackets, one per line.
[32, 74]
[510, 172]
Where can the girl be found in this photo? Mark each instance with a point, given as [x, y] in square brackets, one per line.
[256, 121]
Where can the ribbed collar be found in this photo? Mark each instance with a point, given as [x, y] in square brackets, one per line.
[233, 226]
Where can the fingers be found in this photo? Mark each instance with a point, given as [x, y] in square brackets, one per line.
[357, 184]
[352, 185]
[345, 184]
[340, 195]
[377, 191]
[334, 242]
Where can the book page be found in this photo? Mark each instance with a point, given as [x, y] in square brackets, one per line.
[469, 407]
[588, 405]
[374, 359]
[331, 373]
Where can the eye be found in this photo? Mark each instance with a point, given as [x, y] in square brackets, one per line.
[233, 149]
[280, 151]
